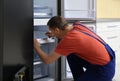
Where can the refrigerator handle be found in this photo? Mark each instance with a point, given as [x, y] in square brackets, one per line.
[91, 8]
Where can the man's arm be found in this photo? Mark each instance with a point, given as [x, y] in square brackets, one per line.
[46, 58]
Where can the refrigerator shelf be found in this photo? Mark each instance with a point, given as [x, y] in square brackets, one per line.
[46, 40]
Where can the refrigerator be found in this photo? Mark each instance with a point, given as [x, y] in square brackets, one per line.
[43, 11]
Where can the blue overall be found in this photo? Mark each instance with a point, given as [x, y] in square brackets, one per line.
[93, 72]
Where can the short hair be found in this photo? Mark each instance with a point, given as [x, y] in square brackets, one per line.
[57, 22]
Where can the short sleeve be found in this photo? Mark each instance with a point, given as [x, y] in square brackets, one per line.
[67, 45]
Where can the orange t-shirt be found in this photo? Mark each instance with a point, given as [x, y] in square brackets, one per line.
[83, 46]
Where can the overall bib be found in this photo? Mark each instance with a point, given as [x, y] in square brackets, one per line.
[92, 72]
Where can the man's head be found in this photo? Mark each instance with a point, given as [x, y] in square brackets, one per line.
[57, 25]
[57, 22]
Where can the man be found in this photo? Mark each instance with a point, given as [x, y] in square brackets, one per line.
[83, 48]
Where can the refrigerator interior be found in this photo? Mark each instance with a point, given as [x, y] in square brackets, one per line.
[43, 11]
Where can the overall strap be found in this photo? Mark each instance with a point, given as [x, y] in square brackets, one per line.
[103, 42]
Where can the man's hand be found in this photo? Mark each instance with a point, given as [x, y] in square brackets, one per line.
[36, 44]
[49, 34]
[46, 58]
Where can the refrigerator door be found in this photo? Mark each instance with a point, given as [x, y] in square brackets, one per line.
[16, 35]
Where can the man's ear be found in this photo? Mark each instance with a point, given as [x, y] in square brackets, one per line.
[57, 30]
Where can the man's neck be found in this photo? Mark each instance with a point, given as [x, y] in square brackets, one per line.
[68, 28]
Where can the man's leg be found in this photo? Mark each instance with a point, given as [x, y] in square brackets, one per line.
[76, 65]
